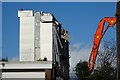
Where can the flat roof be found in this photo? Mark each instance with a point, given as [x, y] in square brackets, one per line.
[26, 65]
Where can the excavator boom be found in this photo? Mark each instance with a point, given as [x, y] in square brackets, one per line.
[97, 38]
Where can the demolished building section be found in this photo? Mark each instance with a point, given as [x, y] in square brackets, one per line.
[44, 43]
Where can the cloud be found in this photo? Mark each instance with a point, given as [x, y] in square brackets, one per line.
[77, 53]
[15, 59]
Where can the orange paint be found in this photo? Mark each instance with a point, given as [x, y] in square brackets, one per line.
[97, 38]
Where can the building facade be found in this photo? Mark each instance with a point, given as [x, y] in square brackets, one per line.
[36, 35]
[44, 48]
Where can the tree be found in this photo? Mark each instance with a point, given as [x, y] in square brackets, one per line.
[106, 72]
[82, 70]
[107, 54]
[106, 62]
[4, 59]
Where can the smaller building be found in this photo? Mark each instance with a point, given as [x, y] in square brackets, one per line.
[19, 70]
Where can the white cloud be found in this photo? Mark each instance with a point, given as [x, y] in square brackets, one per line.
[77, 53]
[14, 59]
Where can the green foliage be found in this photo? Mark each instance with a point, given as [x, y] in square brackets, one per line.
[4, 59]
[106, 62]
[105, 72]
[105, 67]
[82, 70]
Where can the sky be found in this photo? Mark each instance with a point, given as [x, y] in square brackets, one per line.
[59, 0]
[0, 30]
[79, 18]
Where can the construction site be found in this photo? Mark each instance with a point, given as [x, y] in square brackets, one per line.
[44, 47]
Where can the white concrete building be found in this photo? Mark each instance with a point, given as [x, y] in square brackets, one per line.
[36, 35]
[25, 70]
[42, 45]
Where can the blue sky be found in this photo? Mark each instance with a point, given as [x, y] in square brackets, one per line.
[79, 18]
[59, 0]
[0, 30]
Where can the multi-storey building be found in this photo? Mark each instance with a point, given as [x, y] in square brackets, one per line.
[43, 51]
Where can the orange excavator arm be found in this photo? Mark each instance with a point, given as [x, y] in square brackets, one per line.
[97, 38]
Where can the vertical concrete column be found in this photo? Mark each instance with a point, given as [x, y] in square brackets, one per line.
[118, 39]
